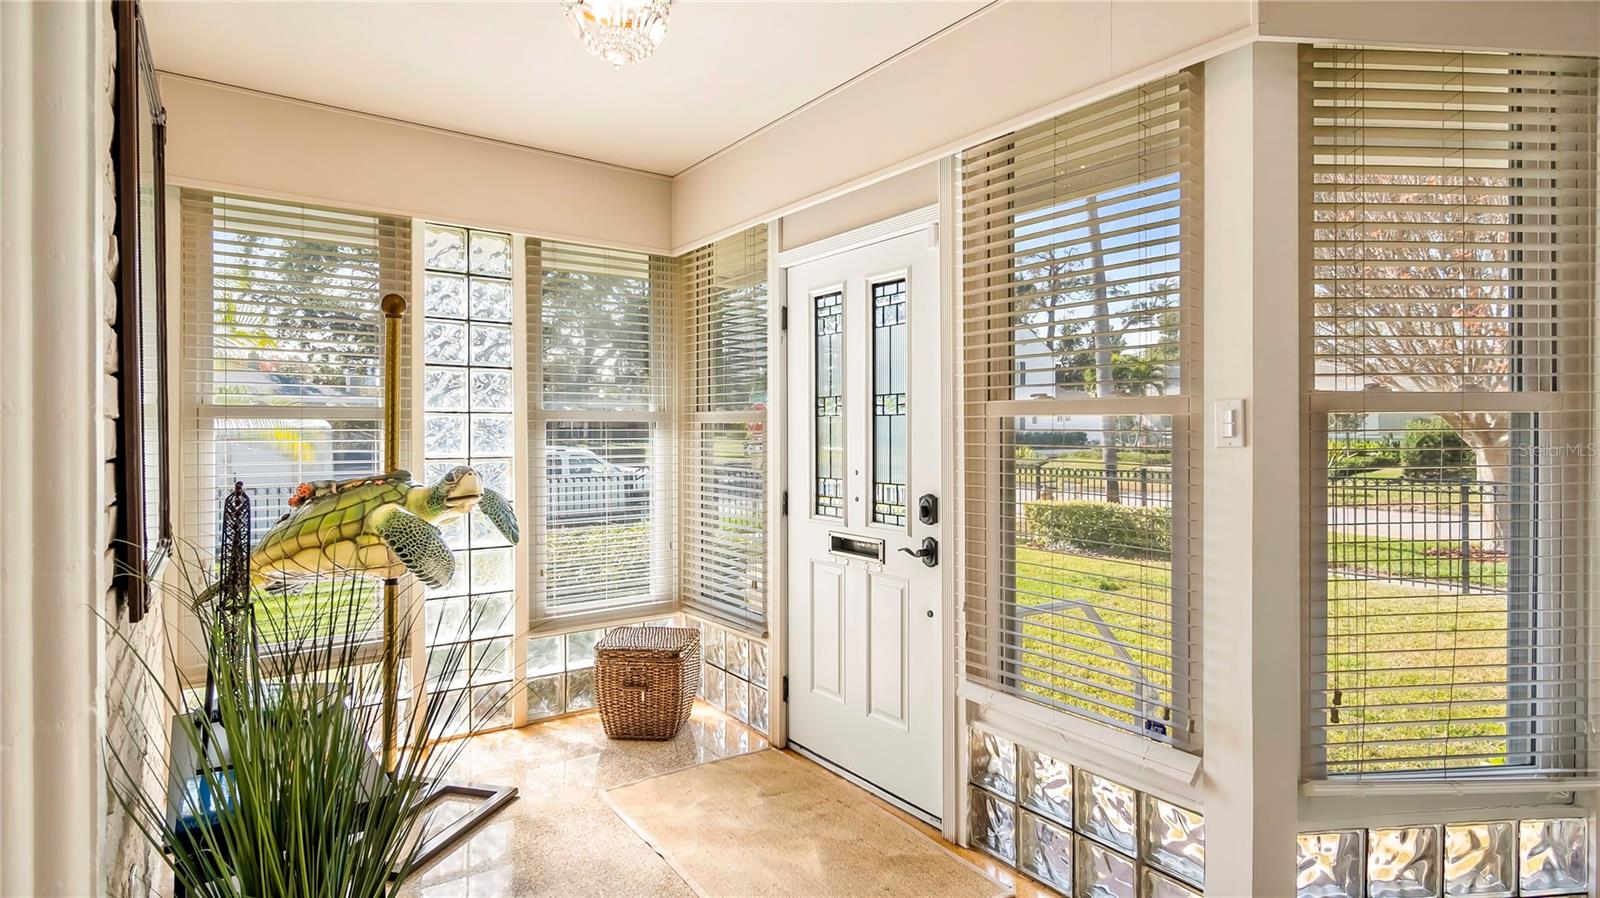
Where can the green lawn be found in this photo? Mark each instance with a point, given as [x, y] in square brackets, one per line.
[1091, 667]
[319, 611]
[1411, 559]
[1126, 458]
[1435, 660]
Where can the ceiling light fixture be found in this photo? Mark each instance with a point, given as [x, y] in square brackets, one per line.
[622, 32]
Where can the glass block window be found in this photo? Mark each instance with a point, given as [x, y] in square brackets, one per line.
[1076, 831]
[1491, 859]
[734, 674]
[560, 673]
[468, 398]
[891, 365]
[827, 322]
[559, 670]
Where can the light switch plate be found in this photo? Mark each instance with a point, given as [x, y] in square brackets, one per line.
[1229, 422]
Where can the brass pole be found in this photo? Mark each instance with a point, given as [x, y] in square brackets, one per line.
[394, 306]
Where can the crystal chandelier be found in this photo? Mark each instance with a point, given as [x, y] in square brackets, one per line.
[621, 32]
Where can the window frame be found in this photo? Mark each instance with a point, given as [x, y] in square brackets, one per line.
[1533, 391]
[989, 370]
[201, 418]
[661, 420]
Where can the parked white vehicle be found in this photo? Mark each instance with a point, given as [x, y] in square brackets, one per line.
[583, 488]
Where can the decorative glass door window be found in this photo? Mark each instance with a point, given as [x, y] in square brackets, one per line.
[890, 364]
[828, 320]
[467, 420]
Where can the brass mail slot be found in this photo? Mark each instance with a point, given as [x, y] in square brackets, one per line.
[856, 546]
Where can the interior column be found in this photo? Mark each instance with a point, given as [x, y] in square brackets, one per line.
[1252, 507]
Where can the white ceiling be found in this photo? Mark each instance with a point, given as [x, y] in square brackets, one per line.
[513, 71]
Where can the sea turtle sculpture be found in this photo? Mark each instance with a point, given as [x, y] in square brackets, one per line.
[376, 527]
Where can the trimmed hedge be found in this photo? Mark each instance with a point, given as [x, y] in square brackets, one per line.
[1101, 527]
[1432, 450]
[1052, 439]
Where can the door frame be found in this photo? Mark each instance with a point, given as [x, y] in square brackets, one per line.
[914, 221]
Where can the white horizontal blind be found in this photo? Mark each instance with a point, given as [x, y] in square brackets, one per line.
[601, 461]
[723, 436]
[1448, 223]
[1080, 252]
[282, 351]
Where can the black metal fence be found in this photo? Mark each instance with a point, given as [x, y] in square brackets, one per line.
[1446, 532]
[1138, 487]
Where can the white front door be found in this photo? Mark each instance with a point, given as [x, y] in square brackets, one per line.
[866, 443]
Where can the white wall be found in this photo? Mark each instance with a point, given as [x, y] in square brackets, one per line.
[55, 114]
[228, 138]
[1538, 26]
[891, 196]
[1019, 62]
[1015, 61]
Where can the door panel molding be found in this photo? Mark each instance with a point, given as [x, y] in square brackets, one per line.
[827, 602]
[888, 644]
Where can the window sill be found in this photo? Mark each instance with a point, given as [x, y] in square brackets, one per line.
[761, 634]
[1103, 749]
[558, 626]
[1524, 789]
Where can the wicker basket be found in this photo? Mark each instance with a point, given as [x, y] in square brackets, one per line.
[645, 680]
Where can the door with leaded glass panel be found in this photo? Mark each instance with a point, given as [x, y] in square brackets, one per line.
[865, 444]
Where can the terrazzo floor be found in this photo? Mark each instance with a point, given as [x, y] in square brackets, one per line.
[560, 839]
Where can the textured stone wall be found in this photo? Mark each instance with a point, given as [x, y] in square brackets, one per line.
[135, 719]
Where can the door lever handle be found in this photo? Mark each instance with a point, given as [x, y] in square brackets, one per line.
[929, 553]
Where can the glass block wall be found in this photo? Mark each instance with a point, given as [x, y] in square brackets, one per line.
[467, 416]
[1493, 859]
[733, 674]
[1076, 831]
[560, 670]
